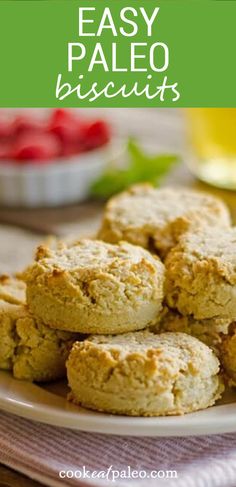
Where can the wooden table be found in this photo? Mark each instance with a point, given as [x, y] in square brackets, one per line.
[10, 478]
[158, 130]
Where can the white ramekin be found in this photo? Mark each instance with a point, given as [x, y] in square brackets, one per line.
[58, 183]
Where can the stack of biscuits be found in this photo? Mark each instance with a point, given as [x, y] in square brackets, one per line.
[140, 318]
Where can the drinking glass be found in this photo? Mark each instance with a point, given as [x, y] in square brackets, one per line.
[212, 136]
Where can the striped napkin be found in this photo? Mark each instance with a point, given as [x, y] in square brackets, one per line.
[56, 456]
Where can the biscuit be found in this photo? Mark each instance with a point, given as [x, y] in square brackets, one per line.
[201, 274]
[41, 352]
[12, 290]
[155, 218]
[228, 354]
[33, 351]
[143, 374]
[208, 331]
[9, 314]
[95, 287]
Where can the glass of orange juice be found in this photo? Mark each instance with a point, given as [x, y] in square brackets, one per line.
[212, 134]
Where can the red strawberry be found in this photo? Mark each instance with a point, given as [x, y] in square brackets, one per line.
[6, 129]
[69, 129]
[25, 124]
[35, 147]
[5, 153]
[96, 134]
[70, 149]
[64, 125]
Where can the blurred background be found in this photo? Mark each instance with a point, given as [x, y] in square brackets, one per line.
[58, 167]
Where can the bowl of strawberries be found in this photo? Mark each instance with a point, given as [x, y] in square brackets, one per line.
[53, 160]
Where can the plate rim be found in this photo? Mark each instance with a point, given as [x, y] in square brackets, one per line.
[58, 412]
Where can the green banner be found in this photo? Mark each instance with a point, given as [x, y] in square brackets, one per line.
[118, 53]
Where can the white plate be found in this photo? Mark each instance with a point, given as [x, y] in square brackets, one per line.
[48, 405]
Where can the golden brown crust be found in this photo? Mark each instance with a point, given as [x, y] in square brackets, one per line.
[201, 274]
[9, 314]
[41, 352]
[96, 287]
[155, 218]
[228, 354]
[12, 290]
[208, 331]
[143, 374]
[32, 350]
